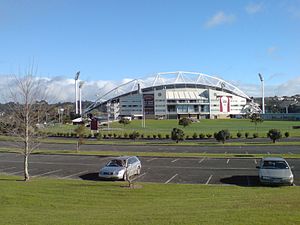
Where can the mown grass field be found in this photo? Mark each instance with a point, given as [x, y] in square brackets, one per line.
[49, 201]
[204, 126]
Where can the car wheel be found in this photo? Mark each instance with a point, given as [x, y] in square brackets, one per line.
[125, 177]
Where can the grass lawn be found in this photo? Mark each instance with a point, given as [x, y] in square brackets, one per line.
[49, 201]
[204, 126]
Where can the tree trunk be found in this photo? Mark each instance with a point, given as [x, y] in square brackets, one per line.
[26, 173]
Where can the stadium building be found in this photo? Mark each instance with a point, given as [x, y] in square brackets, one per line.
[174, 95]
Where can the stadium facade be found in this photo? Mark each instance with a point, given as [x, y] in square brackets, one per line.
[174, 95]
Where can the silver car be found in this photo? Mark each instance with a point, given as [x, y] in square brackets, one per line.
[121, 167]
[275, 171]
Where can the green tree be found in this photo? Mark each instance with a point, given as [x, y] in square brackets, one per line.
[177, 134]
[274, 135]
[222, 135]
[256, 119]
[184, 122]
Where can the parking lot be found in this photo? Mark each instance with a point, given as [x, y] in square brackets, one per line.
[224, 171]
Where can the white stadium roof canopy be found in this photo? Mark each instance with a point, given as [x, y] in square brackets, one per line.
[168, 78]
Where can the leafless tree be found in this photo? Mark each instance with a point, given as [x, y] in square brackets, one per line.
[27, 108]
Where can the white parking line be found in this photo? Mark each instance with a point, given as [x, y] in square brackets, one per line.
[225, 152]
[255, 161]
[201, 160]
[21, 171]
[53, 171]
[75, 174]
[207, 182]
[149, 160]
[227, 161]
[246, 152]
[171, 178]
[7, 168]
[138, 176]
[174, 160]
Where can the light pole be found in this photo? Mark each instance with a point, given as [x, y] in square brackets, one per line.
[263, 92]
[80, 103]
[76, 94]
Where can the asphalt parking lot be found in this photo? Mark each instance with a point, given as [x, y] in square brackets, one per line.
[222, 149]
[224, 171]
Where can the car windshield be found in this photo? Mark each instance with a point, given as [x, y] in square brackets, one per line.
[275, 165]
[115, 163]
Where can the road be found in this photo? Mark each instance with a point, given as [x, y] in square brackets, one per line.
[270, 149]
[236, 171]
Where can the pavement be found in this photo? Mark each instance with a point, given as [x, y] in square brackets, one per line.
[202, 170]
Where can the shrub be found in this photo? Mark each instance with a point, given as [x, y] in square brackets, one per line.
[159, 136]
[154, 136]
[148, 136]
[177, 134]
[274, 134]
[184, 122]
[104, 136]
[239, 134]
[208, 135]
[255, 135]
[222, 135]
[142, 135]
[109, 135]
[201, 136]
[115, 135]
[286, 134]
[246, 135]
[98, 136]
[215, 135]
[187, 137]
[195, 136]
[167, 136]
[125, 135]
[119, 136]
[134, 135]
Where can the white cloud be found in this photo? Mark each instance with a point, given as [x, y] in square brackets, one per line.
[219, 18]
[253, 8]
[61, 89]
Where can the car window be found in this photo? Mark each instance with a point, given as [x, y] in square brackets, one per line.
[131, 160]
[275, 165]
[115, 163]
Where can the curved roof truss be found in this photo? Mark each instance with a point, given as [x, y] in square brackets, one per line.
[167, 78]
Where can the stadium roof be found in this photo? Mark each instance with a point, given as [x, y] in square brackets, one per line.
[168, 78]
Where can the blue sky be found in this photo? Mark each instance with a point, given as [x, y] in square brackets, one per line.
[113, 40]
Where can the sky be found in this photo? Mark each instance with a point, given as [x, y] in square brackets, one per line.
[112, 41]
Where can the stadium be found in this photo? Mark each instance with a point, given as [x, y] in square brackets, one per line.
[173, 95]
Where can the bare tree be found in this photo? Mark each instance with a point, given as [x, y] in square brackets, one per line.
[27, 108]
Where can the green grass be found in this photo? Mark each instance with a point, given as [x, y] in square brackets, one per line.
[49, 201]
[204, 126]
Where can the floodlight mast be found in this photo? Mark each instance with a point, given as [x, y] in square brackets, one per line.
[80, 102]
[76, 92]
[263, 92]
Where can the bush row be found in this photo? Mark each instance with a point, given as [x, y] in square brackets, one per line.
[135, 135]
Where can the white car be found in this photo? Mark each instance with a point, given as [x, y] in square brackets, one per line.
[275, 171]
[121, 167]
